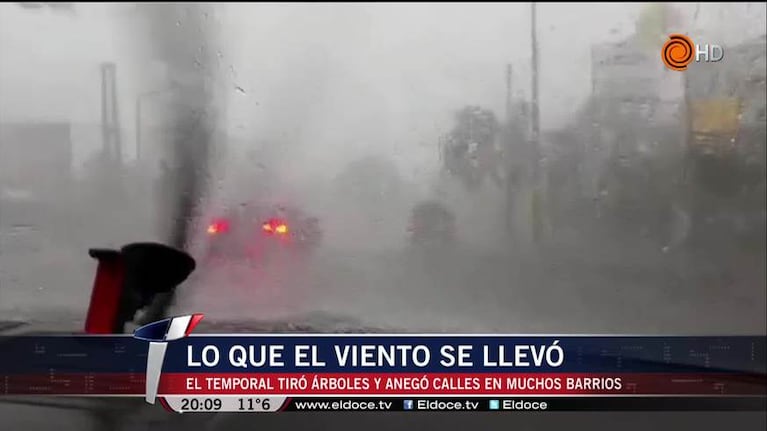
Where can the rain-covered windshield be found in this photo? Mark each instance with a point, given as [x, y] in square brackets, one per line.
[589, 186]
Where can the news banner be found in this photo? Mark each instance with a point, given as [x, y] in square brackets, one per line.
[166, 364]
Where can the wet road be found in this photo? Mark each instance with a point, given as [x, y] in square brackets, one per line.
[465, 290]
[480, 291]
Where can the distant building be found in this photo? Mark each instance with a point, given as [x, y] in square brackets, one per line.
[629, 80]
[633, 114]
[728, 98]
[616, 65]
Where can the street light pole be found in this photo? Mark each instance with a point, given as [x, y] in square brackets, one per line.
[138, 129]
[508, 94]
[537, 197]
[535, 113]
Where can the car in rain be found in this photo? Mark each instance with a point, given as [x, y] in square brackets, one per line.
[256, 233]
[432, 223]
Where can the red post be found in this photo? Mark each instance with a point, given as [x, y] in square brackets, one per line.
[107, 292]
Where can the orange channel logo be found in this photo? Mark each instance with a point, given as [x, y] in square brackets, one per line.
[677, 52]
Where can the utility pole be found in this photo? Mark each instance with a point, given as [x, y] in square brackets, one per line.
[535, 129]
[138, 129]
[508, 94]
[534, 114]
[110, 117]
[510, 136]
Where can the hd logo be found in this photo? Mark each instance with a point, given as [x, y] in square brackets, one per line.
[158, 334]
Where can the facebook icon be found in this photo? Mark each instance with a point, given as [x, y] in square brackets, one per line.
[407, 404]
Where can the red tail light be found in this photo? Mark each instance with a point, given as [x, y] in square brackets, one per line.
[218, 226]
[275, 226]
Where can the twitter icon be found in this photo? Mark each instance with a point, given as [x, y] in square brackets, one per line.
[494, 405]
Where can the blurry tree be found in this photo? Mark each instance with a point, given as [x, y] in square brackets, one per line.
[471, 150]
[616, 171]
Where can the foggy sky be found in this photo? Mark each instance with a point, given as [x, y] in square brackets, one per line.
[343, 78]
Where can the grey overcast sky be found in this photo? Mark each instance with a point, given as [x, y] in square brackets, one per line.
[360, 75]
